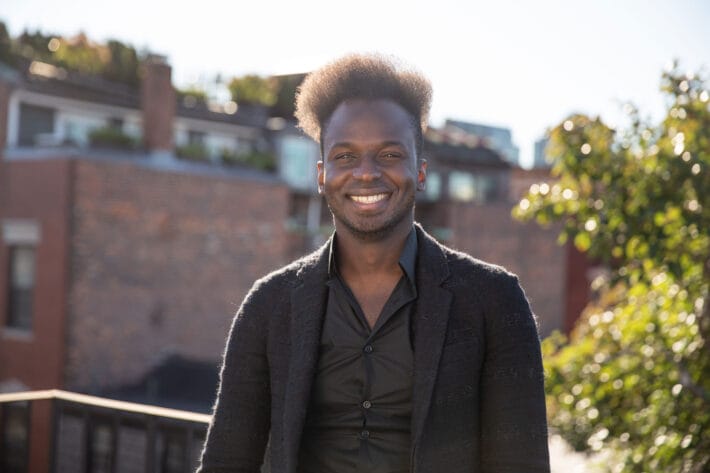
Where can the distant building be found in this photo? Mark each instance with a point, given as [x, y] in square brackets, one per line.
[498, 139]
[541, 158]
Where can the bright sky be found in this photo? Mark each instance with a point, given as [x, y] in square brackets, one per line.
[523, 65]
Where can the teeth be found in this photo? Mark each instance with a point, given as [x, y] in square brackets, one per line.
[368, 199]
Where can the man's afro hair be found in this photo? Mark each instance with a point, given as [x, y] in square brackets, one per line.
[361, 76]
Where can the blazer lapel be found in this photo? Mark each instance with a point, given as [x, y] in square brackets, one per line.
[430, 319]
[307, 310]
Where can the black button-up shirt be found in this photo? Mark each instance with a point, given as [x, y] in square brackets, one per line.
[361, 404]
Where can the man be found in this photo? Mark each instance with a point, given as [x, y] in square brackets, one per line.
[383, 351]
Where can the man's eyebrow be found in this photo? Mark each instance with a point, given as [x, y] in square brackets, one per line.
[342, 144]
[393, 143]
[348, 144]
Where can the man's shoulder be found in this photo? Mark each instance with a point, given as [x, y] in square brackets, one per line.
[463, 266]
[293, 273]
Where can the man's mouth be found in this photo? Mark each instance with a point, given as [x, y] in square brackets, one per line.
[368, 199]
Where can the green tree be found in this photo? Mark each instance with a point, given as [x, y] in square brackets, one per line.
[254, 90]
[634, 376]
[123, 63]
[6, 54]
[192, 95]
[34, 45]
[285, 104]
[81, 55]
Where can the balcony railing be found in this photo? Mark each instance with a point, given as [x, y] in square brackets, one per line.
[58, 431]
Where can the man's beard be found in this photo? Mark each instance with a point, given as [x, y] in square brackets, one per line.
[374, 233]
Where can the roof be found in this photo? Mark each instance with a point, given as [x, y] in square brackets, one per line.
[461, 154]
[51, 80]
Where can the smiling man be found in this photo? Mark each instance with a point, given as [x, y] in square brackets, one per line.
[383, 351]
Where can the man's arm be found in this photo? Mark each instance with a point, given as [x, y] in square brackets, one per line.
[239, 430]
[514, 425]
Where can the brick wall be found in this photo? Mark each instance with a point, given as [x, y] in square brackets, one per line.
[490, 233]
[160, 264]
[39, 191]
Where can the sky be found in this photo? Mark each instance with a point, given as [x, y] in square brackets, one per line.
[522, 65]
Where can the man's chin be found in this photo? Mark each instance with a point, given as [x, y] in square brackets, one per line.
[370, 231]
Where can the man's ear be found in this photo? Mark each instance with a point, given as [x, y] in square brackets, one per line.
[321, 176]
[421, 175]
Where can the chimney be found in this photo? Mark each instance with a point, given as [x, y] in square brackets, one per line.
[158, 105]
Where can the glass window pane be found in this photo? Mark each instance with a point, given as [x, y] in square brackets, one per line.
[298, 162]
[22, 262]
[21, 291]
[433, 185]
[461, 186]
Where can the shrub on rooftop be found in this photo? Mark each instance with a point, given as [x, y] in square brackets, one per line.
[111, 137]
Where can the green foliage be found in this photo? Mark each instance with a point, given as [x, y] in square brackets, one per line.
[111, 137]
[6, 55]
[80, 55]
[33, 45]
[253, 89]
[114, 60]
[285, 105]
[193, 152]
[634, 376]
[123, 63]
[255, 159]
[192, 95]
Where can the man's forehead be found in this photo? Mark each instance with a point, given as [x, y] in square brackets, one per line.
[379, 120]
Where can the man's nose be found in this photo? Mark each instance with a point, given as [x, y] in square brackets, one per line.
[367, 170]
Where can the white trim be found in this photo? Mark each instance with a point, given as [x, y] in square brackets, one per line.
[64, 106]
[106, 403]
[21, 231]
[208, 127]
[17, 334]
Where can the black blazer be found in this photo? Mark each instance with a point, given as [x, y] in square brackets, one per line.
[478, 401]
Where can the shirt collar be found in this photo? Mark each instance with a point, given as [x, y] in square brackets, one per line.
[407, 260]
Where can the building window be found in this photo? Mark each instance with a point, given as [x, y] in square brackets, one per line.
[14, 447]
[433, 185]
[298, 162]
[36, 123]
[195, 138]
[21, 281]
[466, 187]
[462, 186]
[486, 188]
[115, 123]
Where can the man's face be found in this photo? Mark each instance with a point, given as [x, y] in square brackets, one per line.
[369, 172]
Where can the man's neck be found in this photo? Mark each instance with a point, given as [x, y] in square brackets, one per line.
[359, 259]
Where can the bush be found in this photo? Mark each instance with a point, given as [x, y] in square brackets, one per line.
[255, 159]
[193, 152]
[110, 137]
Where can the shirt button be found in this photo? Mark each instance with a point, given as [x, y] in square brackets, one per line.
[366, 404]
[365, 434]
[368, 348]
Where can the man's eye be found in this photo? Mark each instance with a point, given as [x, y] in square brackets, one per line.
[391, 155]
[344, 156]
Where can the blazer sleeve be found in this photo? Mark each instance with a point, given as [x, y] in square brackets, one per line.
[513, 417]
[239, 430]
